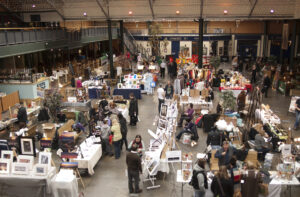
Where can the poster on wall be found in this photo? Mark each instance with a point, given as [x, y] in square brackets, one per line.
[185, 49]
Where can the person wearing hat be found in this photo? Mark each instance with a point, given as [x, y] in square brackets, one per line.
[22, 116]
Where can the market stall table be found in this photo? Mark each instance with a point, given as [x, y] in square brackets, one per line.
[27, 185]
[96, 92]
[276, 184]
[92, 154]
[65, 184]
[125, 93]
[197, 102]
[235, 90]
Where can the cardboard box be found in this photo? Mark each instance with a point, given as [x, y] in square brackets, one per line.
[49, 130]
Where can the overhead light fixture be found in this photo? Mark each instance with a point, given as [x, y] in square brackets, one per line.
[130, 12]
[177, 12]
[84, 13]
[33, 5]
[225, 11]
[272, 11]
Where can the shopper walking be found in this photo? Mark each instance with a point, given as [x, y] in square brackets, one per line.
[199, 179]
[297, 111]
[163, 66]
[105, 132]
[266, 85]
[134, 167]
[161, 97]
[169, 89]
[253, 74]
[117, 138]
[22, 116]
[221, 185]
[124, 130]
[251, 181]
[133, 110]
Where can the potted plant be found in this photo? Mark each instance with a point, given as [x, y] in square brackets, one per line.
[53, 102]
[215, 61]
[228, 101]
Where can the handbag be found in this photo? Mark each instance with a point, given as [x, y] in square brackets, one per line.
[221, 188]
[110, 138]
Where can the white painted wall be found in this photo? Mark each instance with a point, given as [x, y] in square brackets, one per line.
[45, 17]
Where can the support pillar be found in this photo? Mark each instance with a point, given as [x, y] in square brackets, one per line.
[121, 37]
[110, 54]
[200, 44]
[293, 45]
[265, 41]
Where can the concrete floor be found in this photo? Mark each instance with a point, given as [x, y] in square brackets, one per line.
[110, 180]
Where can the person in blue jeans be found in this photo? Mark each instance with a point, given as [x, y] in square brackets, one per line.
[297, 110]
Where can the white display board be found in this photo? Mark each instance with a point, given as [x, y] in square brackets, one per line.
[173, 156]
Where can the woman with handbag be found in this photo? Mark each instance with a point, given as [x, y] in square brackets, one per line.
[221, 185]
[133, 110]
[117, 137]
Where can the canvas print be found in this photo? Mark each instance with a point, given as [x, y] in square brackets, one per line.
[4, 165]
[45, 158]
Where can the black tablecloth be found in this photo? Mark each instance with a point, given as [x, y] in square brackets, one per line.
[95, 93]
[125, 93]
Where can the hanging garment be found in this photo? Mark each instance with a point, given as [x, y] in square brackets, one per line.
[199, 85]
[177, 87]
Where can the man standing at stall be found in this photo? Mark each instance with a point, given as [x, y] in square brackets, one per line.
[169, 90]
[266, 85]
[22, 116]
[161, 96]
[134, 167]
[297, 110]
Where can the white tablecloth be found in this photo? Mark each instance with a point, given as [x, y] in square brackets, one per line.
[14, 188]
[65, 184]
[265, 117]
[92, 155]
[196, 102]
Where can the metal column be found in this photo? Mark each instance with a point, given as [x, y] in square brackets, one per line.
[200, 44]
[121, 37]
[293, 45]
[110, 54]
[264, 52]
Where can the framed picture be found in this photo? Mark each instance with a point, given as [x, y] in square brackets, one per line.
[40, 169]
[27, 146]
[119, 85]
[7, 154]
[45, 158]
[3, 145]
[162, 124]
[20, 168]
[27, 160]
[4, 166]
[163, 110]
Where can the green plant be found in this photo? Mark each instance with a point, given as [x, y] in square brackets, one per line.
[53, 102]
[215, 61]
[229, 101]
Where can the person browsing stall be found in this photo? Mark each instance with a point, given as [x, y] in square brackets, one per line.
[138, 142]
[188, 115]
[22, 116]
[117, 137]
[260, 143]
[187, 129]
[133, 110]
[221, 185]
[297, 110]
[169, 89]
[225, 154]
[134, 167]
[199, 179]
[105, 132]
[161, 97]
[124, 130]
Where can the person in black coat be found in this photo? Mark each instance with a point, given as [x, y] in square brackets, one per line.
[124, 130]
[266, 85]
[222, 185]
[22, 116]
[133, 109]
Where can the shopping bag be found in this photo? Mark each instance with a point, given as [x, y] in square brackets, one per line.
[110, 139]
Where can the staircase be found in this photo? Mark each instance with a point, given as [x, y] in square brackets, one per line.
[132, 46]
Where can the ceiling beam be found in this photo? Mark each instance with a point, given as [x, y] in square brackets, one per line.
[50, 2]
[102, 9]
[252, 8]
[151, 7]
